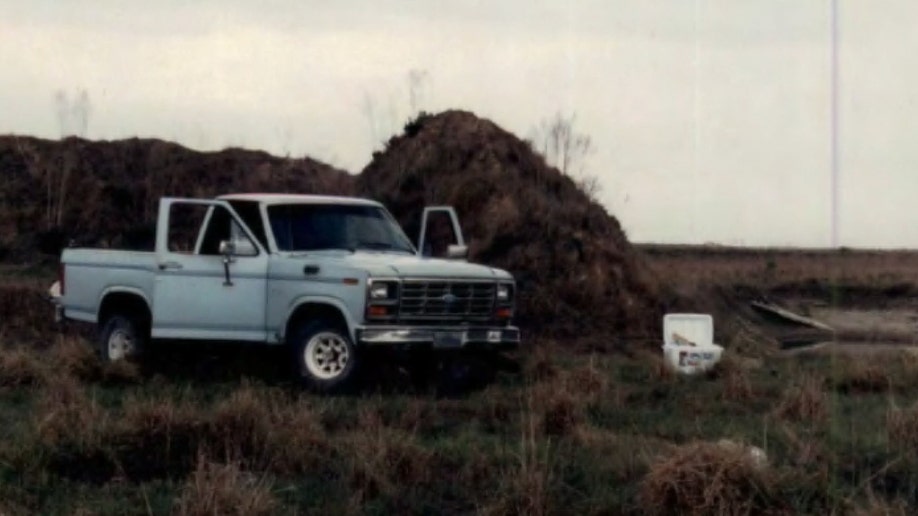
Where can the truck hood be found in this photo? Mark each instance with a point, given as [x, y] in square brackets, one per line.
[402, 265]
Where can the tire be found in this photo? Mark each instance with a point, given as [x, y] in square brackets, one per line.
[325, 357]
[121, 338]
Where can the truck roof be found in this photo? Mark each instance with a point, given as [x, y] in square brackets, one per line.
[285, 198]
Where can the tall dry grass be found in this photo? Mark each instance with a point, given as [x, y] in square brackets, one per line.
[226, 489]
[710, 478]
[804, 400]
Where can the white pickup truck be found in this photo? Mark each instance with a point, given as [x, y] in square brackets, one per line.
[325, 276]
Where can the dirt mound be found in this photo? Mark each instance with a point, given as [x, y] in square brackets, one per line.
[107, 192]
[576, 271]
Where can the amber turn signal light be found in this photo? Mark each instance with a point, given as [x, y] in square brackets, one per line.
[377, 311]
[503, 313]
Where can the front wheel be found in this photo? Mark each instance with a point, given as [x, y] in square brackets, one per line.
[121, 338]
[326, 358]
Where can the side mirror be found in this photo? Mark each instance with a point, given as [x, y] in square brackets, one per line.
[227, 248]
[239, 247]
[457, 252]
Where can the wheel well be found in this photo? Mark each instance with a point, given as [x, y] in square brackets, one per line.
[124, 303]
[314, 311]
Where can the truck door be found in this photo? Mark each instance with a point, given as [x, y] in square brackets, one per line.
[441, 235]
[202, 290]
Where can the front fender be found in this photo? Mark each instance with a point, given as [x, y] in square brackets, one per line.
[333, 302]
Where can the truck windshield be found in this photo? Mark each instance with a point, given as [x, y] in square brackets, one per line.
[311, 227]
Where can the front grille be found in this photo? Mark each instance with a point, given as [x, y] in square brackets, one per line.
[446, 300]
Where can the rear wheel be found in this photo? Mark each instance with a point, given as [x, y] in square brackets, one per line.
[325, 357]
[121, 338]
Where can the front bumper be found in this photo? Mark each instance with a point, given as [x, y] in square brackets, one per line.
[440, 337]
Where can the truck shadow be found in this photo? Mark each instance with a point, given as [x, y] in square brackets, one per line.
[451, 375]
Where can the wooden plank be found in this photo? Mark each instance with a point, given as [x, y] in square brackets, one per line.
[791, 316]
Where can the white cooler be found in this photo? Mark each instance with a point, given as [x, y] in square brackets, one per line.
[688, 342]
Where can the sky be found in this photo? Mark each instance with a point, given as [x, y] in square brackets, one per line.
[711, 121]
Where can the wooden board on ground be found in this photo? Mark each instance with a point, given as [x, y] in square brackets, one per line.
[785, 314]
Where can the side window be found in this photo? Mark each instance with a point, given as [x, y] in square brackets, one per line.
[222, 226]
[250, 214]
[185, 222]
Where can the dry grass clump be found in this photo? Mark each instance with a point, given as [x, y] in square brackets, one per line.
[875, 506]
[70, 355]
[902, 427]
[122, 372]
[562, 401]
[241, 424]
[298, 442]
[657, 367]
[709, 478]
[158, 437]
[854, 375]
[263, 429]
[560, 410]
[737, 386]
[20, 367]
[527, 487]
[24, 311]
[225, 489]
[66, 416]
[540, 363]
[380, 460]
[804, 401]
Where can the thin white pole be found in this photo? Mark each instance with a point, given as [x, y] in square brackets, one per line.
[834, 160]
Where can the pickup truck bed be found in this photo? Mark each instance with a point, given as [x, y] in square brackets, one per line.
[91, 273]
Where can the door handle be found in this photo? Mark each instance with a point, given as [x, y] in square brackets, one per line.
[170, 265]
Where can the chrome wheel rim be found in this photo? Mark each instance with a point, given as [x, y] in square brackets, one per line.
[120, 344]
[326, 355]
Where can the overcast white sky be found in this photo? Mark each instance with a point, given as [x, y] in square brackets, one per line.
[710, 119]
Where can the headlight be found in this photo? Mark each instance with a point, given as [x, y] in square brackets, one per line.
[503, 292]
[382, 291]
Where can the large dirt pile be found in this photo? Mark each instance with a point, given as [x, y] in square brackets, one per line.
[576, 271]
[106, 193]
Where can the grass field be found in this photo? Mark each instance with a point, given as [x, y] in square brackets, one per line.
[572, 433]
